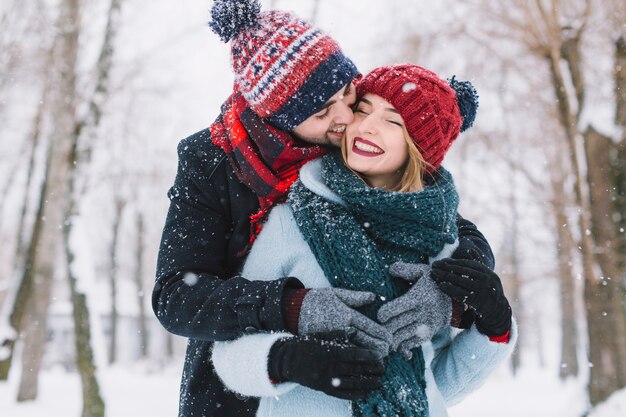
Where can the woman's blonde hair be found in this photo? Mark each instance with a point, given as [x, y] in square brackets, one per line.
[413, 176]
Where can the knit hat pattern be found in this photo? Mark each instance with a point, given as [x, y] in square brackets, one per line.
[428, 105]
[285, 68]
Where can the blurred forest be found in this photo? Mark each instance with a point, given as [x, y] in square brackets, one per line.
[94, 97]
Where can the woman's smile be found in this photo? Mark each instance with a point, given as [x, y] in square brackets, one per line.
[364, 147]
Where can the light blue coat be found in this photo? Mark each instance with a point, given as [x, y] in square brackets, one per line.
[457, 362]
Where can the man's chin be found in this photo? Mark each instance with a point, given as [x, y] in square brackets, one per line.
[332, 140]
[325, 141]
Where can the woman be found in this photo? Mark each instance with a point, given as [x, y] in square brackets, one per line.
[383, 209]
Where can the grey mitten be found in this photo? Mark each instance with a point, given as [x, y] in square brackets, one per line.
[414, 317]
[333, 309]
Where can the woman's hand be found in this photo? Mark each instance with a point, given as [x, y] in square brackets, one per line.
[474, 284]
[414, 317]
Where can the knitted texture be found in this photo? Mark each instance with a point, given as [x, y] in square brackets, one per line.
[229, 18]
[467, 98]
[284, 67]
[427, 104]
[263, 158]
[355, 244]
[417, 315]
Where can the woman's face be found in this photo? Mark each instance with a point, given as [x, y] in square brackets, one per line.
[376, 148]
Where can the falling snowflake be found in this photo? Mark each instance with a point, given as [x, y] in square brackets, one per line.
[190, 279]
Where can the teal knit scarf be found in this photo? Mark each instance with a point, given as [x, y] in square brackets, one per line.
[356, 242]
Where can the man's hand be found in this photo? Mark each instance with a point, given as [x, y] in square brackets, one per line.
[333, 309]
[474, 284]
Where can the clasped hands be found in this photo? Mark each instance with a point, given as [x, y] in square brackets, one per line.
[401, 324]
[332, 332]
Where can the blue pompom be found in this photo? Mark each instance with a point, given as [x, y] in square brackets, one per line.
[467, 98]
[229, 17]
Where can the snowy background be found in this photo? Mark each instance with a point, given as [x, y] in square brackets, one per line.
[171, 74]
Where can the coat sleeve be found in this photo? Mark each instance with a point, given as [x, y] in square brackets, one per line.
[462, 364]
[472, 244]
[193, 294]
[242, 365]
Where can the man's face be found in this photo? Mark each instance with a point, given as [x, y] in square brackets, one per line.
[327, 126]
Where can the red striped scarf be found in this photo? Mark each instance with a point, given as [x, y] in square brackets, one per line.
[263, 158]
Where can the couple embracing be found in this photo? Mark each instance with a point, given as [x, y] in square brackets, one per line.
[313, 253]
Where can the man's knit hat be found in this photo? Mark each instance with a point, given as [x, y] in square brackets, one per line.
[434, 111]
[285, 68]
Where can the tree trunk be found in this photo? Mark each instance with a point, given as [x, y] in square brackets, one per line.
[139, 275]
[56, 191]
[113, 269]
[93, 404]
[567, 291]
[598, 299]
[612, 312]
[618, 159]
[34, 138]
[606, 177]
[19, 301]
[35, 327]
[512, 283]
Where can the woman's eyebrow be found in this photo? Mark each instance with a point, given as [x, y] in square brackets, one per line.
[390, 109]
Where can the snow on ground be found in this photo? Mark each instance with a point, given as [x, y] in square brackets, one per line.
[136, 391]
[129, 391]
[532, 392]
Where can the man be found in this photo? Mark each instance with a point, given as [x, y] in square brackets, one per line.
[293, 92]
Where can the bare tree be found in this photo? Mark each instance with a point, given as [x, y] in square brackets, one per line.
[57, 209]
[120, 204]
[565, 242]
[512, 272]
[16, 302]
[43, 256]
[82, 139]
[139, 282]
[552, 31]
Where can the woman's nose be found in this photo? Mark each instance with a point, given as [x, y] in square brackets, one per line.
[368, 124]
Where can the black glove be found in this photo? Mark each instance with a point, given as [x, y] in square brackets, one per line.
[335, 367]
[474, 284]
[472, 244]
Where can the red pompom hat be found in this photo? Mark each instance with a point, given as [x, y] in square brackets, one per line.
[434, 112]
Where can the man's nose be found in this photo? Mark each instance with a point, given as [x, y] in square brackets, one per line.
[343, 113]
